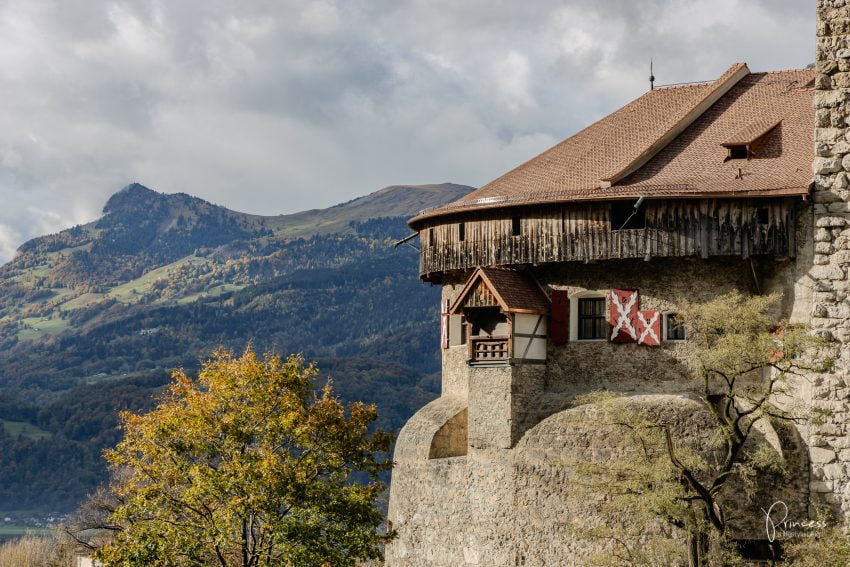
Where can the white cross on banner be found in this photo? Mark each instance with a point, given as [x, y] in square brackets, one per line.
[624, 307]
[649, 327]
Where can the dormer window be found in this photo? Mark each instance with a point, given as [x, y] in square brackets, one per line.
[747, 142]
[739, 152]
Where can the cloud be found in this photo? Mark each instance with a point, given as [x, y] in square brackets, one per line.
[278, 107]
[9, 240]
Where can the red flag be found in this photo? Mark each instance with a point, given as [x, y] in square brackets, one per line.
[623, 310]
[649, 328]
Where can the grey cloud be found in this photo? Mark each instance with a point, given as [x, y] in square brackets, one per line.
[273, 107]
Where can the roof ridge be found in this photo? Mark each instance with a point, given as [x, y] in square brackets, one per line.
[779, 71]
[683, 85]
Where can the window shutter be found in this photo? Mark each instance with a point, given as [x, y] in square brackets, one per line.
[559, 330]
[444, 323]
[455, 330]
[624, 304]
[649, 328]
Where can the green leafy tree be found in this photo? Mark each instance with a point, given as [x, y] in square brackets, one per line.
[247, 466]
[742, 359]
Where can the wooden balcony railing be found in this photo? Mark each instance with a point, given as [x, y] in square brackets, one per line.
[489, 349]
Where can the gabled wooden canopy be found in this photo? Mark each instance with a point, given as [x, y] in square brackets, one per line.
[510, 290]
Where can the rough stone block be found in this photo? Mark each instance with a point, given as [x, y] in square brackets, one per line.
[826, 197]
[829, 99]
[833, 471]
[827, 273]
[824, 182]
[841, 207]
[831, 222]
[823, 235]
[822, 455]
[829, 134]
[823, 248]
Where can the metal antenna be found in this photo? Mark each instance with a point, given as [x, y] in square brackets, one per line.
[651, 76]
[406, 240]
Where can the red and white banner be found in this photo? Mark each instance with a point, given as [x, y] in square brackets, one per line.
[623, 305]
[444, 324]
[649, 328]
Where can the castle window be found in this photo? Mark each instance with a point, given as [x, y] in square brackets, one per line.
[431, 237]
[673, 329]
[461, 229]
[457, 330]
[591, 318]
[763, 215]
[516, 226]
[739, 152]
[624, 216]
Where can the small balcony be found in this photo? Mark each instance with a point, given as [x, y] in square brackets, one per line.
[485, 350]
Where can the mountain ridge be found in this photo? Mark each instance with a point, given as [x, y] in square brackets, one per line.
[93, 319]
[400, 200]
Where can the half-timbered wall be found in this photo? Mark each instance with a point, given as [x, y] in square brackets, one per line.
[583, 232]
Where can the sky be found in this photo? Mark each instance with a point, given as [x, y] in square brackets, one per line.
[277, 106]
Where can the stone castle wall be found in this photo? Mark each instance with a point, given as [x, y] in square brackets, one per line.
[510, 499]
[831, 307]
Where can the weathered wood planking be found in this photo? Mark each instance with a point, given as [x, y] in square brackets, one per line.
[582, 232]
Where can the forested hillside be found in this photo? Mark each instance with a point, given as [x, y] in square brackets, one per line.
[93, 319]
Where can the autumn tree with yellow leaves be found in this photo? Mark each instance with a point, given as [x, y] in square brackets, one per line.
[247, 465]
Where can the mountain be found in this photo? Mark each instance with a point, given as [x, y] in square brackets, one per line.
[93, 319]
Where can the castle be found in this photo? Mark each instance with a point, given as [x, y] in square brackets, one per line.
[561, 277]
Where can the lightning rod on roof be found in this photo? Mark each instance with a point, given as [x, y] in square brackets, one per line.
[651, 76]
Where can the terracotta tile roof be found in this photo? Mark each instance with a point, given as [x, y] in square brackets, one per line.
[692, 164]
[515, 291]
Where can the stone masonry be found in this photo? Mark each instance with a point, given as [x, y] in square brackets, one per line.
[507, 498]
[830, 443]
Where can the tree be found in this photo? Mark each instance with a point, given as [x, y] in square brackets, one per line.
[246, 466]
[742, 361]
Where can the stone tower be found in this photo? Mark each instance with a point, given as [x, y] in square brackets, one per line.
[563, 277]
[830, 443]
